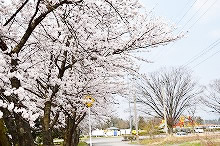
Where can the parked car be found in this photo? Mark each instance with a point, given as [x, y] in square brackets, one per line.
[181, 133]
[199, 130]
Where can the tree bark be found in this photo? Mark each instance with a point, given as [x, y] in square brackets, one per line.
[72, 133]
[11, 126]
[76, 135]
[24, 131]
[18, 128]
[47, 131]
[170, 127]
[4, 140]
[68, 132]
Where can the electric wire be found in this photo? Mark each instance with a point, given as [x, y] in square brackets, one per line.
[159, 53]
[186, 12]
[203, 52]
[194, 22]
[194, 15]
[182, 9]
[159, 56]
[206, 59]
[203, 14]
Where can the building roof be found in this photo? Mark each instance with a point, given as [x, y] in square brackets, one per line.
[113, 128]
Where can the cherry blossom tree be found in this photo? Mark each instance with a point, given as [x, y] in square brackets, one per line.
[54, 52]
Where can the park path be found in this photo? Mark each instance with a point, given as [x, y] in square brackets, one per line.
[115, 141]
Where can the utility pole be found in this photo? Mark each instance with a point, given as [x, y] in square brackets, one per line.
[135, 111]
[129, 104]
[135, 117]
[164, 110]
[130, 116]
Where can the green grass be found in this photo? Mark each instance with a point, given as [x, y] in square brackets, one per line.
[82, 144]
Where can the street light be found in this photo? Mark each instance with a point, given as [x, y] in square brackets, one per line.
[89, 102]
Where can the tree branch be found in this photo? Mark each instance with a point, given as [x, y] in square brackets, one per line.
[54, 120]
[3, 46]
[19, 9]
[35, 22]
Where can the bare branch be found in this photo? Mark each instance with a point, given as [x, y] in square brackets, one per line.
[14, 15]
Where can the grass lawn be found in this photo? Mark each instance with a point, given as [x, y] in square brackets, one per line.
[82, 144]
[193, 140]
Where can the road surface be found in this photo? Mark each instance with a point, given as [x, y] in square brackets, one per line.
[116, 141]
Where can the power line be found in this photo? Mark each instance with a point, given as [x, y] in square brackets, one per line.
[159, 53]
[186, 12]
[194, 15]
[203, 14]
[206, 59]
[182, 9]
[209, 48]
[196, 20]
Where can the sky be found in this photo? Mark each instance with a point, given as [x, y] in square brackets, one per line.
[199, 36]
[198, 50]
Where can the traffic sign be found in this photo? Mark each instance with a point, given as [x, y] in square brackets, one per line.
[89, 100]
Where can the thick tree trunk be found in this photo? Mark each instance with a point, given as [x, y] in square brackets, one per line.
[170, 127]
[170, 130]
[4, 140]
[76, 137]
[47, 138]
[11, 126]
[18, 128]
[24, 131]
[71, 135]
[47, 131]
[68, 132]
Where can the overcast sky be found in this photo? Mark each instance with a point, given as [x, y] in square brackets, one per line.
[200, 20]
[199, 50]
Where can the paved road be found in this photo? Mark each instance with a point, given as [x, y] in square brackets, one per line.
[110, 142]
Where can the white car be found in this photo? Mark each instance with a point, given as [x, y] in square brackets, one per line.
[199, 130]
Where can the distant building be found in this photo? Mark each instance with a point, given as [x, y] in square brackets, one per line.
[125, 131]
[113, 131]
[98, 133]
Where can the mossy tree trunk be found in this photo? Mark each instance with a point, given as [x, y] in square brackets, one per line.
[4, 139]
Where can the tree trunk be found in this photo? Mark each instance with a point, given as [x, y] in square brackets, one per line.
[170, 124]
[21, 129]
[170, 130]
[47, 138]
[72, 133]
[47, 131]
[76, 137]
[24, 131]
[11, 126]
[4, 140]
[18, 128]
[68, 132]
